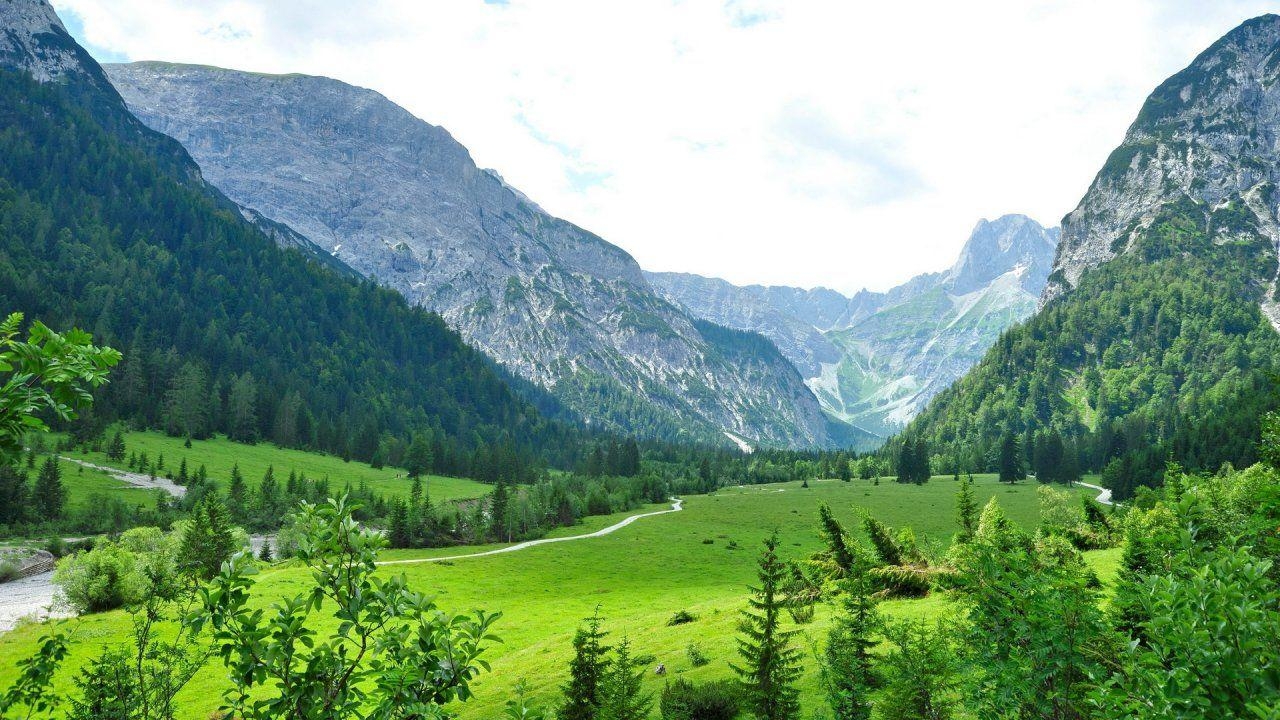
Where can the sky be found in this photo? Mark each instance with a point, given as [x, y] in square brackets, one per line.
[838, 144]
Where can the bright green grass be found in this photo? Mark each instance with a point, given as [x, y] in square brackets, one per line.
[218, 455]
[637, 577]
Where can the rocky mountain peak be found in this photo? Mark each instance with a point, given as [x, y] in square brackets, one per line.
[33, 39]
[1209, 134]
[1008, 243]
[401, 201]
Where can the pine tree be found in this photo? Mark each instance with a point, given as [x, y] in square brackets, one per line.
[14, 492]
[265, 554]
[771, 665]
[906, 462]
[847, 669]
[622, 693]
[208, 541]
[498, 511]
[833, 533]
[587, 672]
[268, 509]
[1012, 468]
[237, 497]
[49, 496]
[399, 533]
[966, 511]
[116, 449]
[242, 410]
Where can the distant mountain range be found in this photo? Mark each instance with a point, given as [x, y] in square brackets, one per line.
[402, 202]
[875, 359]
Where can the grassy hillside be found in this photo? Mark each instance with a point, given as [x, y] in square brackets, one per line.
[219, 454]
[637, 576]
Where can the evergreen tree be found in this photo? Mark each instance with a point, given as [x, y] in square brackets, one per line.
[623, 697]
[399, 534]
[846, 671]
[186, 404]
[238, 497]
[834, 535]
[14, 491]
[208, 541]
[242, 410]
[587, 672]
[920, 671]
[116, 449]
[49, 496]
[1012, 468]
[906, 462]
[966, 511]
[498, 512]
[269, 509]
[771, 664]
[921, 471]
[265, 555]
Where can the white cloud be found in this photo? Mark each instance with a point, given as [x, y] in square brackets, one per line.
[797, 142]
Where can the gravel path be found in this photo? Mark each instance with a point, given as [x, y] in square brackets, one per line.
[676, 506]
[29, 597]
[134, 479]
[1104, 495]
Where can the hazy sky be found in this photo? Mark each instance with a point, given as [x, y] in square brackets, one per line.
[844, 144]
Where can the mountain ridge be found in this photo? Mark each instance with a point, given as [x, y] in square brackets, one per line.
[862, 366]
[401, 201]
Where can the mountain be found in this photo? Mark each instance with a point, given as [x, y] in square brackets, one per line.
[874, 359]
[108, 225]
[1157, 333]
[402, 202]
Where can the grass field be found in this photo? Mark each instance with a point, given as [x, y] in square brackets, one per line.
[637, 577]
[218, 455]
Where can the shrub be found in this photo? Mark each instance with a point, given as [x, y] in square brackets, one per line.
[56, 546]
[681, 617]
[697, 658]
[9, 570]
[104, 578]
[683, 700]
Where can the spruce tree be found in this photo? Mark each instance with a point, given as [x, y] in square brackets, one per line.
[847, 671]
[208, 541]
[623, 697]
[49, 496]
[587, 672]
[834, 535]
[966, 511]
[265, 554]
[771, 664]
[237, 497]
[399, 534]
[1012, 468]
[498, 511]
[116, 449]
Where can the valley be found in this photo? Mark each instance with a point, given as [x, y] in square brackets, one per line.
[314, 417]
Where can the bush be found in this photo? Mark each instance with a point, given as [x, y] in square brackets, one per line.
[682, 700]
[104, 578]
[696, 657]
[9, 570]
[56, 546]
[681, 617]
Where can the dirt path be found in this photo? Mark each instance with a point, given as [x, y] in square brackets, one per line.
[134, 479]
[1104, 495]
[676, 506]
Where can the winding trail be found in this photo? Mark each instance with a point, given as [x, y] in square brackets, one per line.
[135, 479]
[1104, 495]
[676, 506]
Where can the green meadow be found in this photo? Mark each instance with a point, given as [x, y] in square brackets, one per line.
[699, 560]
[218, 455]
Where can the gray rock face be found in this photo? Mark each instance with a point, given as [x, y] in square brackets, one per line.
[1208, 134]
[401, 201]
[875, 359]
[33, 39]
